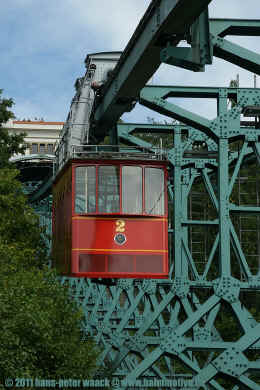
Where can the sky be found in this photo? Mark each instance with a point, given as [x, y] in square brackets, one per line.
[44, 44]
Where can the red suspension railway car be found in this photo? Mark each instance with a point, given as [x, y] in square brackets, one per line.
[110, 219]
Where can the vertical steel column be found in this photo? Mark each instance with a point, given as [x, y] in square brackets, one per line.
[184, 193]
[178, 263]
[223, 188]
[224, 230]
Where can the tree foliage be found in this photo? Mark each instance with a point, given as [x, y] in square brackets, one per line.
[19, 225]
[40, 328]
[9, 143]
[40, 324]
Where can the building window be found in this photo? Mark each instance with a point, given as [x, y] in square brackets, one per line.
[34, 148]
[50, 149]
[42, 148]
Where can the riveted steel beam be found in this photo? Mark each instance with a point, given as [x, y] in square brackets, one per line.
[229, 51]
[236, 54]
[153, 97]
[245, 27]
[145, 127]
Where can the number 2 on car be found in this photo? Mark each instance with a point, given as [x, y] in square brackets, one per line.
[120, 226]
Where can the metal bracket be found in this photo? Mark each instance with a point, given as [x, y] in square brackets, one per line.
[199, 54]
[174, 344]
[231, 362]
[227, 288]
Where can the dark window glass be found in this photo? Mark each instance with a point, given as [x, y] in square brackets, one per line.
[34, 148]
[85, 190]
[108, 189]
[50, 148]
[42, 148]
[132, 190]
[154, 191]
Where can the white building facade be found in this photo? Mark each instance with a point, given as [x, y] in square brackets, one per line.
[42, 137]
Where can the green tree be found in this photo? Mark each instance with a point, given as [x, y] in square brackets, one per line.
[9, 143]
[40, 327]
[40, 324]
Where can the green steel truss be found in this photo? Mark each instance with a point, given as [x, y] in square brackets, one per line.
[203, 322]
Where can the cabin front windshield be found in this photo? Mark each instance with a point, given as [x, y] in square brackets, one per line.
[98, 190]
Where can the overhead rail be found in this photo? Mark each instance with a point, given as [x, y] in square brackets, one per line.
[164, 21]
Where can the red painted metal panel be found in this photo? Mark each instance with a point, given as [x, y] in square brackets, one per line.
[92, 263]
[143, 254]
[99, 233]
[62, 223]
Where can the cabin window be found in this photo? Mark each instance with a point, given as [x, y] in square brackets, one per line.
[132, 190]
[104, 195]
[85, 190]
[108, 189]
[154, 191]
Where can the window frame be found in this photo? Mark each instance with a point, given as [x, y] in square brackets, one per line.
[39, 147]
[47, 147]
[74, 189]
[98, 166]
[163, 191]
[31, 147]
[121, 165]
[121, 188]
